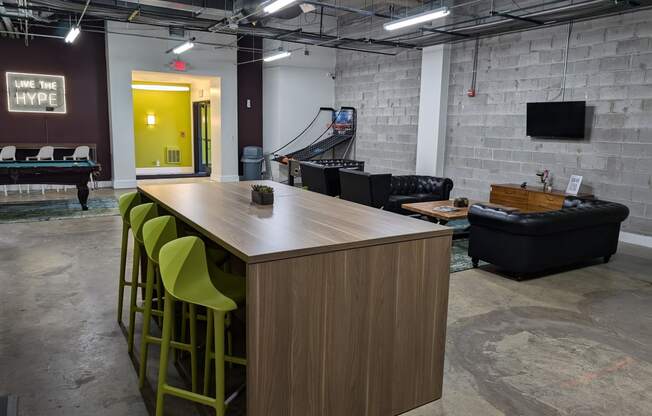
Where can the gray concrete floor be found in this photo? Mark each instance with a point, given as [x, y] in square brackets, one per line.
[573, 343]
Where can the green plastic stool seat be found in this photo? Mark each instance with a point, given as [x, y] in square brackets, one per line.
[185, 275]
[156, 233]
[138, 216]
[125, 204]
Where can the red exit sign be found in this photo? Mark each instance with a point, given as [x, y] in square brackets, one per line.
[179, 65]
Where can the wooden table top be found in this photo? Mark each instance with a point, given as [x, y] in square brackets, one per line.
[428, 209]
[299, 223]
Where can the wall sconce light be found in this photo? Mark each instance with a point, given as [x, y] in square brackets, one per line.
[151, 119]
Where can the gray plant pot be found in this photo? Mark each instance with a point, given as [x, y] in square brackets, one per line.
[262, 198]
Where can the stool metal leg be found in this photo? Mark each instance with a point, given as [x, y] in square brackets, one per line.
[168, 316]
[209, 351]
[134, 295]
[218, 323]
[193, 346]
[123, 266]
[147, 316]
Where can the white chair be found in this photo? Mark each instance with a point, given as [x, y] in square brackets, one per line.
[9, 153]
[80, 153]
[44, 153]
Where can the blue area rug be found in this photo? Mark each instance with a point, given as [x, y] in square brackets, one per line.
[57, 209]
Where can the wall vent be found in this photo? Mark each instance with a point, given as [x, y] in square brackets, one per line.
[172, 154]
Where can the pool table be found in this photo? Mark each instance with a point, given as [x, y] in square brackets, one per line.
[51, 172]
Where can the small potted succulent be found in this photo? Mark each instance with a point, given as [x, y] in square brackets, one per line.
[461, 202]
[262, 194]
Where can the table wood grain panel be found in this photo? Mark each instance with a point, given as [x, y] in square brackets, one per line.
[417, 364]
[299, 223]
[352, 332]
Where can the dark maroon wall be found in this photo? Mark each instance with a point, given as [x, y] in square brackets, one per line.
[87, 120]
[250, 86]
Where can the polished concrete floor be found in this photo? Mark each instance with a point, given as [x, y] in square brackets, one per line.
[577, 342]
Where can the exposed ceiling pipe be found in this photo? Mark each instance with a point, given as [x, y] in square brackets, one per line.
[5, 23]
[3, 29]
[206, 12]
[347, 9]
[22, 11]
[538, 16]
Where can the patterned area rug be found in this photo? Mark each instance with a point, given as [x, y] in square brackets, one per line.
[57, 209]
[460, 259]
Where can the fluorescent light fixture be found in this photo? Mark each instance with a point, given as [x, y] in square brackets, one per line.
[417, 19]
[72, 34]
[278, 55]
[277, 5]
[153, 87]
[151, 119]
[183, 47]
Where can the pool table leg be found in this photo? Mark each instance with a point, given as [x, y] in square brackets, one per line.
[82, 195]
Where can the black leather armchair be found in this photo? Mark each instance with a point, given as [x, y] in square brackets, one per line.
[526, 243]
[323, 175]
[320, 178]
[407, 189]
[365, 188]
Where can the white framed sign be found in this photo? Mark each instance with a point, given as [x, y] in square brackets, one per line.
[574, 184]
[36, 93]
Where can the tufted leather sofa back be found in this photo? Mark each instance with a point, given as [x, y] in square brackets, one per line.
[577, 213]
[419, 184]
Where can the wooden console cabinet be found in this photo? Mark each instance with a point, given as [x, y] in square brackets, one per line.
[532, 198]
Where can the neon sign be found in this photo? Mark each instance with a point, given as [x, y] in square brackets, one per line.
[36, 93]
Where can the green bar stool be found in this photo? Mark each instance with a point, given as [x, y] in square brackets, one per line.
[125, 203]
[234, 287]
[138, 217]
[185, 275]
[156, 233]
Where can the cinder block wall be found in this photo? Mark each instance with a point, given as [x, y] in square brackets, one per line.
[385, 91]
[609, 66]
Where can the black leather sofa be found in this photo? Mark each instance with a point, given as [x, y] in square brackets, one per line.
[390, 192]
[527, 243]
[323, 176]
[406, 189]
[365, 188]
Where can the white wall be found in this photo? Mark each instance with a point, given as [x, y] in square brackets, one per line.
[433, 104]
[126, 53]
[293, 90]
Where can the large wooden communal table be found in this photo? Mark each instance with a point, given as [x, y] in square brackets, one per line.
[346, 304]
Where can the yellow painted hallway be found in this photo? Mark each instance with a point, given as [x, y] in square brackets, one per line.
[162, 125]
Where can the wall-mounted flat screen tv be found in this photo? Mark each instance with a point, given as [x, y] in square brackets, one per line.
[556, 119]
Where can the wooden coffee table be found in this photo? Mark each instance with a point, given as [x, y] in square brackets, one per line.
[429, 209]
